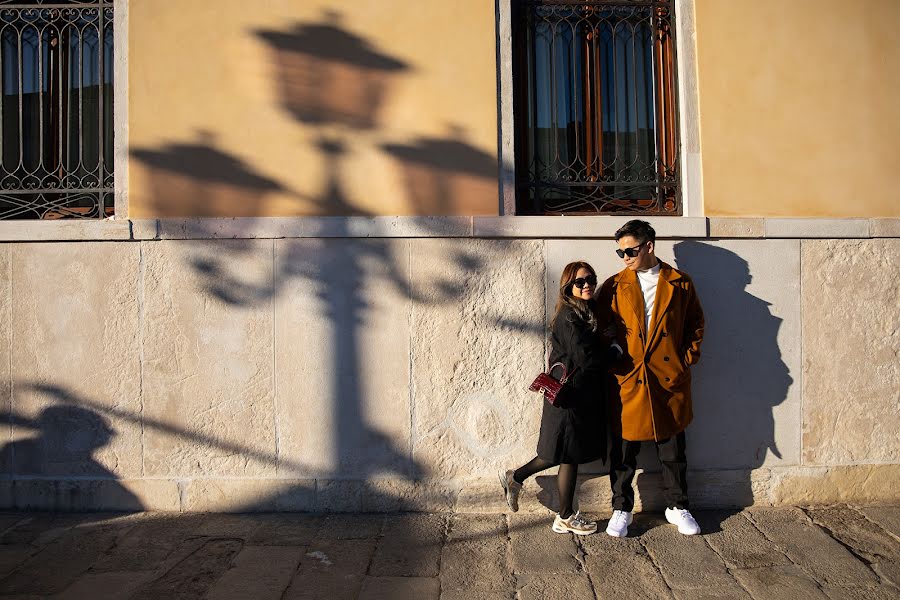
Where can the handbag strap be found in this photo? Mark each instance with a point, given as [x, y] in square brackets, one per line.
[565, 375]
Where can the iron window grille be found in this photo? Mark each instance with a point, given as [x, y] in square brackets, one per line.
[56, 109]
[595, 105]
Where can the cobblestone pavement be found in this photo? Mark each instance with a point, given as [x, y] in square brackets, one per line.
[838, 552]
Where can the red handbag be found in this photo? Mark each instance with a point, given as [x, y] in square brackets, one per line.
[547, 384]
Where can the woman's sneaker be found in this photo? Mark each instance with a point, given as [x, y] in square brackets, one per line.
[619, 522]
[511, 489]
[576, 524]
[683, 519]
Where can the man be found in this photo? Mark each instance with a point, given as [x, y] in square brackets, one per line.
[660, 327]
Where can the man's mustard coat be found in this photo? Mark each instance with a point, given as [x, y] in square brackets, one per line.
[651, 388]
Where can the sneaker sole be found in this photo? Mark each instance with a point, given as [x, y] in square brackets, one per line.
[616, 535]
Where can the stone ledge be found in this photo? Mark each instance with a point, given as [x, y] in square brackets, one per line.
[817, 228]
[583, 226]
[65, 230]
[857, 484]
[554, 227]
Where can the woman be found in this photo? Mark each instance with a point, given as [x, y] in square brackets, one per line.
[574, 431]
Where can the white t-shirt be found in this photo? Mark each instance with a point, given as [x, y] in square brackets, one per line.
[648, 280]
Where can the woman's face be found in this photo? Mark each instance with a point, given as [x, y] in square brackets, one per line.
[588, 283]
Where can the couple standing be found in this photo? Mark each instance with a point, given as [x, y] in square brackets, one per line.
[645, 326]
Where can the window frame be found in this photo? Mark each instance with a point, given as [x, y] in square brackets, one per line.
[687, 132]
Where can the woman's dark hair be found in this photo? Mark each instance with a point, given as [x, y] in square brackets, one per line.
[585, 309]
[642, 231]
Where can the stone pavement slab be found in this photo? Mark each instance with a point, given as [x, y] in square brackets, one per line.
[810, 547]
[537, 549]
[781, 582]
[789, 553]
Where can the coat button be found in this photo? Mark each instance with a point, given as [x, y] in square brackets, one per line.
[667, 379]
[640, 382]
[666, 358]
[664, 334]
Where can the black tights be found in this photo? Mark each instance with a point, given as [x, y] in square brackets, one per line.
[565, 480]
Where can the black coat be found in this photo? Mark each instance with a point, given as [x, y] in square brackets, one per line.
[574, 431]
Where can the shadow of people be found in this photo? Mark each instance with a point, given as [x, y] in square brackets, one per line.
[67, 438]
[740, 379]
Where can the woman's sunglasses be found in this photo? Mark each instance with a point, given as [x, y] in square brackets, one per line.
[590, 280]
[630, 252]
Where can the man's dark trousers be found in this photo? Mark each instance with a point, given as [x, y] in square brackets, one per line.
[671, 453]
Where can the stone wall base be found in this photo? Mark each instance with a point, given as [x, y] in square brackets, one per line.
[862, 484]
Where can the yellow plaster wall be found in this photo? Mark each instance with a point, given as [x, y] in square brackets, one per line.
[799, 107]
[213, 110]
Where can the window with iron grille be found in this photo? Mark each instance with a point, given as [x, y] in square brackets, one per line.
[56, 109]
[595, 105]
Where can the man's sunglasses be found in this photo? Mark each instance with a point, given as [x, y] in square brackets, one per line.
[630, 252]
[590, 280]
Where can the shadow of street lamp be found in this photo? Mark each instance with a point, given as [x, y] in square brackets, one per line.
[328, 75]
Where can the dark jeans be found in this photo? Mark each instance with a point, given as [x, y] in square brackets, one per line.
[623, 463]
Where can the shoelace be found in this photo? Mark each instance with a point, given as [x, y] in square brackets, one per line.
[578, 519]
[619, 517]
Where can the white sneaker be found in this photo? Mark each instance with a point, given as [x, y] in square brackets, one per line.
[683, 519]
[619, 522]
[576, 523]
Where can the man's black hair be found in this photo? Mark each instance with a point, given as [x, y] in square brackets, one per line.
[642, 231]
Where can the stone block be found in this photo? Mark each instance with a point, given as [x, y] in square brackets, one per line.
[145, 229]
[740, 227]
[397, 495]
[107, 586]
[686, 562]
[65, 230]
[339, 495]
[791, 531]
[790, 227]
[877, 592]
[387, 227]
[208, 380]
[540, 586]
[352, 527]
[478, 314]
[737, 542]
[400, 588]
[782, 581]
[75, 369]
[249, 495]
[862, 338]
[887, 517]
[401, 533]
[745, 397]
[582, 226]
[885, 228]
[859, 484]
[477, 544]
[228, 228]
[259, 572]
[623, 566]
[342, 356]
[536, 551]
[856, 532]
[193, 576]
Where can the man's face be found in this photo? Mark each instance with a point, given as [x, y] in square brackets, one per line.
[645, 259]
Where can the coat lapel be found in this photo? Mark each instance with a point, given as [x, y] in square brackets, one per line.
[630, 289]
[664, 292]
